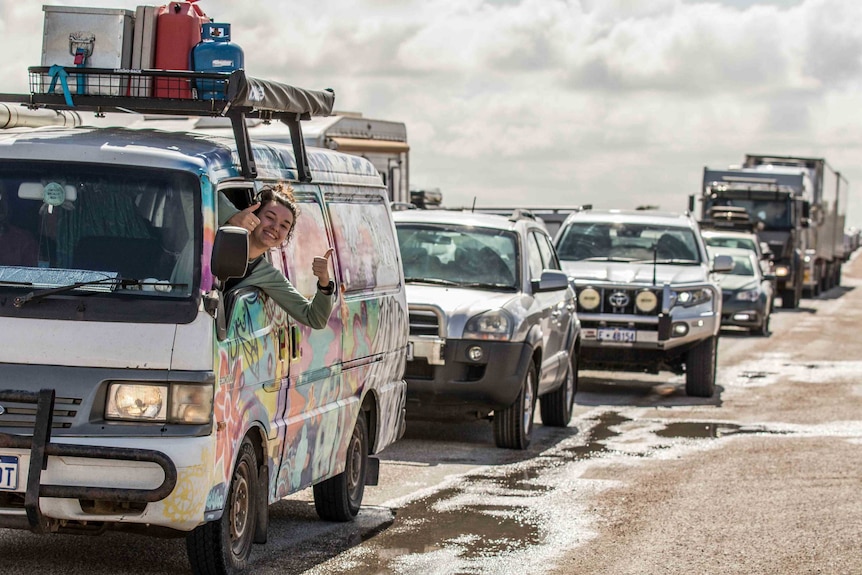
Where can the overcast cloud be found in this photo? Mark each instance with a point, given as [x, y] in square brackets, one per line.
[555, 102]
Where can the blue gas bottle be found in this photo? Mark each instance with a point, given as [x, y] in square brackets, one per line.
[215, 53]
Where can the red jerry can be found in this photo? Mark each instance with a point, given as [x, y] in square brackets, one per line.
[178, 30]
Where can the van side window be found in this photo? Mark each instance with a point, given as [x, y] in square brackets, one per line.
[309, 240]
[365, 241]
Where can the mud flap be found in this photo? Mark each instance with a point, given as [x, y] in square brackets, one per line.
[372, 471]
[262, 524]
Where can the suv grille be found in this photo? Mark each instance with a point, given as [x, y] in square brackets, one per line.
[424, 323]
[621, 301]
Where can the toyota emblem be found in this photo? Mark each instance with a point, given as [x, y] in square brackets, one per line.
[619, 299]
[2, 410]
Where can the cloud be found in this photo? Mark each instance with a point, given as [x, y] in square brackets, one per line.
[588, 101]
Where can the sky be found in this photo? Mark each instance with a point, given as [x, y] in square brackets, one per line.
[614, 103]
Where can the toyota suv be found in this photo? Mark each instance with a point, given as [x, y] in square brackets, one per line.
[648, 300]
[492, 321]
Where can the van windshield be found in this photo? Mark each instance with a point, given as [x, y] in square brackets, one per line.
[115, 230]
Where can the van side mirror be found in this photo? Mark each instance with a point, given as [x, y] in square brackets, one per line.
[230, 253]
[722, 264]
[551, 280]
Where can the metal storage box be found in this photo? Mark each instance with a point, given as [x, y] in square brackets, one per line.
[102, 37]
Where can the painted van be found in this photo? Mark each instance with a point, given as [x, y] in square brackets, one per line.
[134, 392]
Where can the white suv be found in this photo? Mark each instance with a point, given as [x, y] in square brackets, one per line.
[647, 298]
[492, 321]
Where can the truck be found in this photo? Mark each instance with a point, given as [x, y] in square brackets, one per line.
[797, 206]
[826, 251]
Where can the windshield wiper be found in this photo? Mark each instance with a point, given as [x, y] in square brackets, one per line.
[684, 261]
[37, 295]
[120, 282]
[608, 259]
[435, 281]
[486, 285]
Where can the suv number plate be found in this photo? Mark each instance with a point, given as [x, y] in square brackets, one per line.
[617, 335]
[8, 472]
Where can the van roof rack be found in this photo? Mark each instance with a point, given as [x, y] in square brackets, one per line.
[238, 97]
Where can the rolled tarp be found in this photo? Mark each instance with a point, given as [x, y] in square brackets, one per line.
[18, 116]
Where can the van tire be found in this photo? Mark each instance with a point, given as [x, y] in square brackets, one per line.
[224, 546]
[700, 368]
[513, 426]
[339, 498]
[556, 407]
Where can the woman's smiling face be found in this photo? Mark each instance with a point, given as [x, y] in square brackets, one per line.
[275, 223]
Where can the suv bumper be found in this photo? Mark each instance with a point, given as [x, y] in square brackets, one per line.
[443, 382]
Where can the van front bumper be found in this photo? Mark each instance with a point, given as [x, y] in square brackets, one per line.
[463, 379]
[81, 481]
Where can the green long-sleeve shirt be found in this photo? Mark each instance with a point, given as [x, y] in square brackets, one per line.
[314, 312]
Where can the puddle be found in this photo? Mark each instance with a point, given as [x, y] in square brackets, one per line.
[696, 430]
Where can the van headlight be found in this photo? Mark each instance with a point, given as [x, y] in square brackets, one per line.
[189, 403]
[495, 325]
[782, 271]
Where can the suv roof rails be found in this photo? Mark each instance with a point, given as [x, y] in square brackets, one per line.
[521, 214]
[242, 97]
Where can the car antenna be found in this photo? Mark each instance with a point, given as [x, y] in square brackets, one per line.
[473, 209]
[654, 261]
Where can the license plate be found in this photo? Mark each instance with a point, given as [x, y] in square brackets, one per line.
[8, 472]
[617, 335]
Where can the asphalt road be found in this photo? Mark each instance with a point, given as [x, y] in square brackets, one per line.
[765, 477]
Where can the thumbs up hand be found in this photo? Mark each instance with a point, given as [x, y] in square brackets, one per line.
[320, 267]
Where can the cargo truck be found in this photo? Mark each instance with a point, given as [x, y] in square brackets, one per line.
[798, 208]
[828, 209]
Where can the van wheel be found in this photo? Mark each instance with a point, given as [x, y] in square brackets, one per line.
[556, 407]
[224, 546]
[700, 368]
[339, 498]
[513, 426]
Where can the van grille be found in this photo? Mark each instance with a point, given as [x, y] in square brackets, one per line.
[23, 415]
[424, 323]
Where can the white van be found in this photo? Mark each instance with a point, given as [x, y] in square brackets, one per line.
[134, 392]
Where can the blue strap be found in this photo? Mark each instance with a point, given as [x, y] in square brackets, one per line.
[55, 72]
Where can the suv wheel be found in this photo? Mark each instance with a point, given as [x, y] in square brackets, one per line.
[513, 426]
[557, 406]
[700, 368]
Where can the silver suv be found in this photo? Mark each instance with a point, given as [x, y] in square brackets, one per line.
[492, 321]
[647, 297]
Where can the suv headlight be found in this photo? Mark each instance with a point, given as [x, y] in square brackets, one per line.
[691, 298]
[495, 325]
[159, 403]
[748, 295]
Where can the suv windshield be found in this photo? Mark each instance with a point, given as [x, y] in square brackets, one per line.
[110, 229]
[617, 241]
[457, 255]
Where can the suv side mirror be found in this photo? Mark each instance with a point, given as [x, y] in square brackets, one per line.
[230, 253]
[551, 280]
[722, 264]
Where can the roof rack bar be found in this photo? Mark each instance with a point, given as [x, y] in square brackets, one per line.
[302, 168]
[243, 98]
[243, 145]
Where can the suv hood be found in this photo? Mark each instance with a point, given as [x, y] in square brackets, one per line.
[639, 274]
[457, 300]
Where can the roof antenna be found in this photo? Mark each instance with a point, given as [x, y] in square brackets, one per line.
[473, 209]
